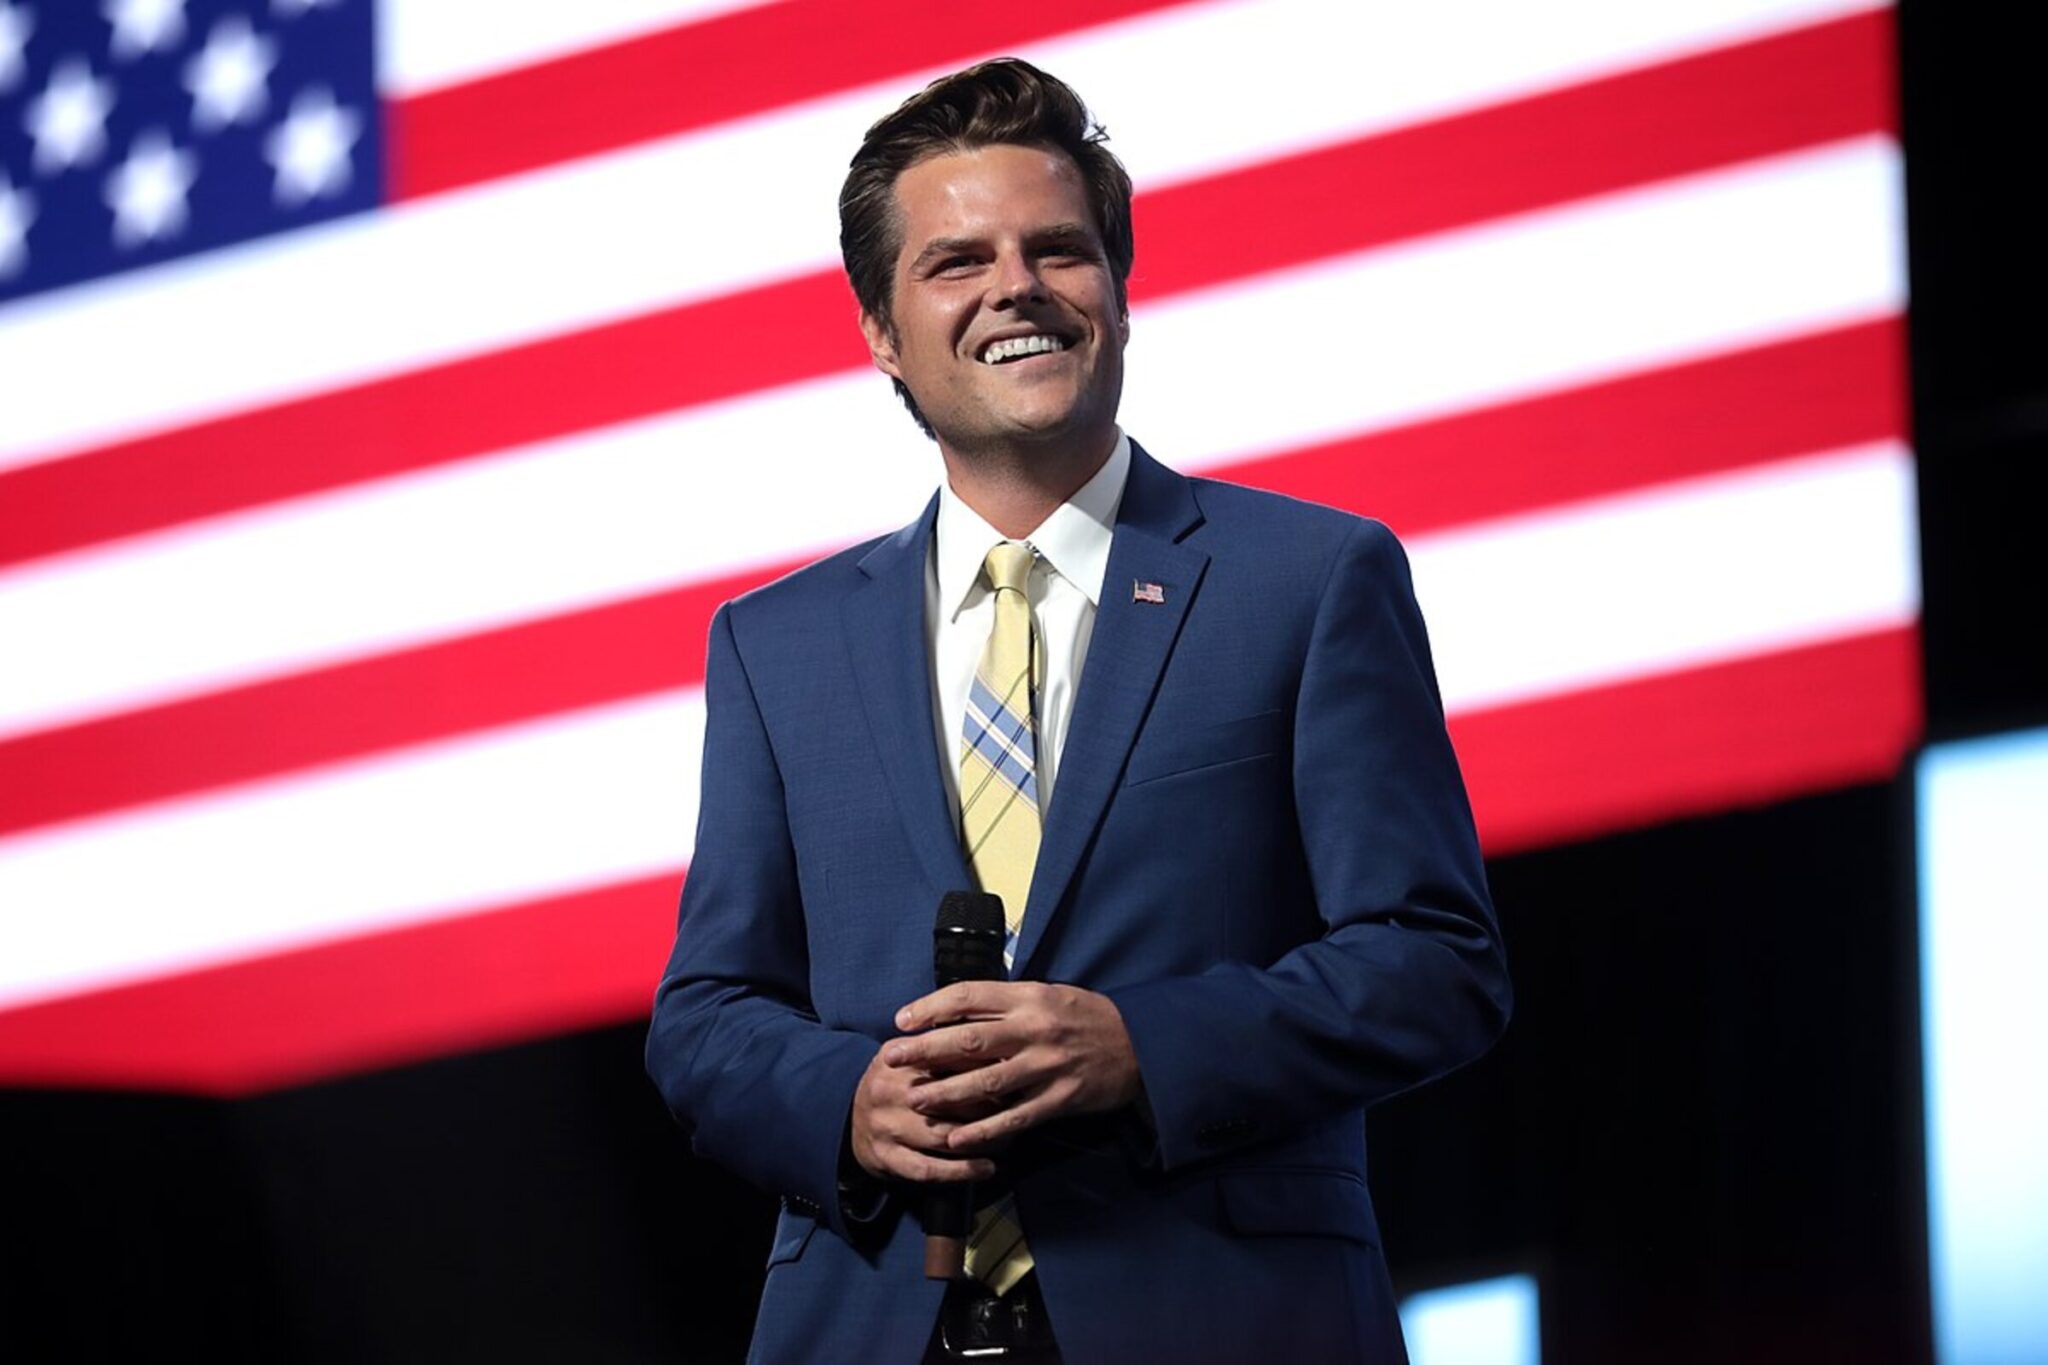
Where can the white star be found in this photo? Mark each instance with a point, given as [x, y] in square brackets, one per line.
[310, 148]
[15, 26]
[147, 191]
[17, 211]
[69, 119]
[144, 25]
[292, 8]
[227, 77]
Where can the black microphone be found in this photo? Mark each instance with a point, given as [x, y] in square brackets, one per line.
[967, 945]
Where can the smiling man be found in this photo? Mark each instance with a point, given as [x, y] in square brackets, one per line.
[1005, 320]
[1189, 734]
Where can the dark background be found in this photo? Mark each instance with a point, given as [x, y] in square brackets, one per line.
[1701, 1132]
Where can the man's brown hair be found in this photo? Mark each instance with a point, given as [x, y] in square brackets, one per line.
[1005, 101]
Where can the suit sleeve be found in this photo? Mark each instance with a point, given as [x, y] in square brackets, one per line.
[1408, 980]
[761, 1085]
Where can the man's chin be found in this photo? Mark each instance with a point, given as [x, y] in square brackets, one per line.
[1050, 436]
[1050, 416]
[1050, 425]
[1028, 424]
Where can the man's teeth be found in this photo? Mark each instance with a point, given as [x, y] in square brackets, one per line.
[1000, 351]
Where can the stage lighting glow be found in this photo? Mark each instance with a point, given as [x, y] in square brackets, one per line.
[1485, 1322]
[1983, 841]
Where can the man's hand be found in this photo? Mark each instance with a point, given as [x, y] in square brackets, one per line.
[1032, 1050]
[893, 1140]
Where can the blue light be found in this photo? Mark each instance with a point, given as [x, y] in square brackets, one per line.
[1983, 816]
[1486, 1322]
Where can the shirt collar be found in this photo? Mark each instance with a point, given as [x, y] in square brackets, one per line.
[1074, 540]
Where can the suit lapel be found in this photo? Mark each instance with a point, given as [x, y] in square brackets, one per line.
[885, 636]
[1126, 655]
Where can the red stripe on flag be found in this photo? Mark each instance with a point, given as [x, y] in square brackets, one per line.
[1835, 389]
[1824, 392]
[478, 980]
[1757, 730]
[699, 74]
[1737, 103]
[1742, 733]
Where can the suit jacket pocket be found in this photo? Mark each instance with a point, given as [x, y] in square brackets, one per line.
[1175, 751]
[1281, 1202]
[792, 1232]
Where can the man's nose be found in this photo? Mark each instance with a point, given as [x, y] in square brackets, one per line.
[1017, 279]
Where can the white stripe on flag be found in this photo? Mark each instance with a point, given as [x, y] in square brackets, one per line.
[1679, 576]
[1621, 282]
[1778, 247]
[427, 44]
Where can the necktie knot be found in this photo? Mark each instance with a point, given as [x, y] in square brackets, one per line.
[1009, 565]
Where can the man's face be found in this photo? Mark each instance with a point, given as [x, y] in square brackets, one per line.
[1006, 326]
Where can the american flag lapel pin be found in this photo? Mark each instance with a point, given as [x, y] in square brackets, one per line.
[1148, 592]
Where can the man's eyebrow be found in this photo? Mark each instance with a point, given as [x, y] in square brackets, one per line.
[946, 246]
[1061, 232]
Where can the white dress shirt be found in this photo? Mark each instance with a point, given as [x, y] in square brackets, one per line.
[1066, 584]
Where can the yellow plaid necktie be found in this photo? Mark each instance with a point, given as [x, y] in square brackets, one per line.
[999, 825]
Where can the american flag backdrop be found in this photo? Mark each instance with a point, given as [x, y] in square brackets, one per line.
[390, 393]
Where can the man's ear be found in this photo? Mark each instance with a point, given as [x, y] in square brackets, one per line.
[881, 339]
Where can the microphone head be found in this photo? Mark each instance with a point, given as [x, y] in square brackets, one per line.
[971, 912]
[967, 942]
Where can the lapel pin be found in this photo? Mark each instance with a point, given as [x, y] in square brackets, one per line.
[1148, 592]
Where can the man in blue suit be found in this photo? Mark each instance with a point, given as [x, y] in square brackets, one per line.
[1252, 902]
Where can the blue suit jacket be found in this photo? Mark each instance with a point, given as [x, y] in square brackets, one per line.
[1259, 847]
